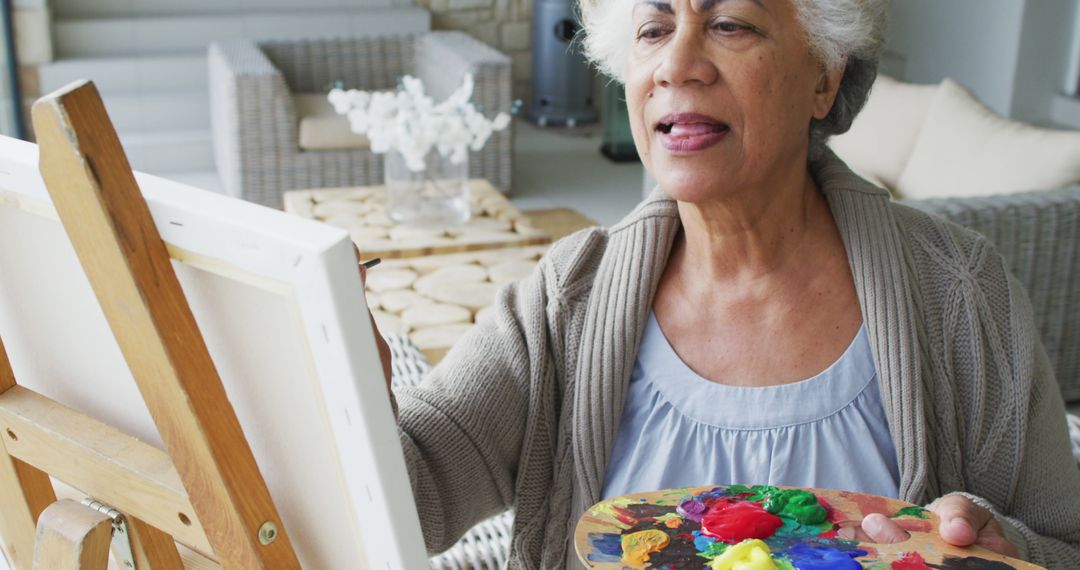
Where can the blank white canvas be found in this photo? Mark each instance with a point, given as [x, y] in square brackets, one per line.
[280, 304]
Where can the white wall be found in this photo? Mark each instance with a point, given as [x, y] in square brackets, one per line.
[1014, 54]
[1043, 63]
[976, 42]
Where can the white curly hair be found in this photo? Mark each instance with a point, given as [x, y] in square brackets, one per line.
[846, 34]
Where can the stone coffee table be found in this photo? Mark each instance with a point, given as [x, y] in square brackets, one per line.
[435, 284]
[495, 222]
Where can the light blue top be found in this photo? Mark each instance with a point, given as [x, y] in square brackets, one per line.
[679, 429]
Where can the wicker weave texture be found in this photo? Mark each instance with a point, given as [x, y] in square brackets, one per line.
[255, 125]
[1038, 234]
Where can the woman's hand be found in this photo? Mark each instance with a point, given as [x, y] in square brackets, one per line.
[963, 523]
[384, 349]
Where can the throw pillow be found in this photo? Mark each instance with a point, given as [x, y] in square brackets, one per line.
[321, 128]
[965, 149]
[882, 137]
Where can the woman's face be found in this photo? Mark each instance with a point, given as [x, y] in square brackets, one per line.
[721, 94]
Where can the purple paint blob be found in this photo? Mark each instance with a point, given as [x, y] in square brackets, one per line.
[692, 510]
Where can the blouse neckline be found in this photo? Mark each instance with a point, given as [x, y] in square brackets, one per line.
[758, 407]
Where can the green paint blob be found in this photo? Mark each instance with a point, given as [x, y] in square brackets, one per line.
[913, 511]
[783, 563]
[796, 504]
[794, 529]
[715, 549]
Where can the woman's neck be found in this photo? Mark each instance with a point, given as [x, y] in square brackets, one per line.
[743, 238]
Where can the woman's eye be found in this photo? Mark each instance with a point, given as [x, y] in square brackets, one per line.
[650, 32]
[729, 27]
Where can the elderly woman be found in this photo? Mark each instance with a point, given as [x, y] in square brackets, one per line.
[766, 316]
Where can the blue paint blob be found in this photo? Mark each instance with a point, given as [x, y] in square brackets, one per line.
[820, 557]
[702, 542]
[607, 547]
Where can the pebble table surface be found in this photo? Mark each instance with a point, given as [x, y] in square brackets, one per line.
[494, 222]
[435, 284]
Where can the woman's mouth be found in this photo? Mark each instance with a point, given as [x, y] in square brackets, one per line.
[690, 132]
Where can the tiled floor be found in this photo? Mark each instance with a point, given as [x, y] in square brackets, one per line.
[555, 167]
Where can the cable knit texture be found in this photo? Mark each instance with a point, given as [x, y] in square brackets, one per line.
[523, 411]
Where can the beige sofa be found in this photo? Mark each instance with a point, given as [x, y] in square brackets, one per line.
[934, 141]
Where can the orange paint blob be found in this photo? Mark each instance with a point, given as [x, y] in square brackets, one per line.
[637, 546]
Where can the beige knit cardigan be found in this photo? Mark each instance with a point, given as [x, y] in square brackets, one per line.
[522, 412]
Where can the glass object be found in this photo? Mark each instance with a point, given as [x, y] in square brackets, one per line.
[434, 197]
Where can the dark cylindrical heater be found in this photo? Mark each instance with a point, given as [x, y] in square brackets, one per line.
[562, 80]
[618, 142]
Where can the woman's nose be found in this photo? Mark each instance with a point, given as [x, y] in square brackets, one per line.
[685, 62]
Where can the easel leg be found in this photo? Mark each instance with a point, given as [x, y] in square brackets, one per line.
[24, 491]
[152, 548]
[71, 536]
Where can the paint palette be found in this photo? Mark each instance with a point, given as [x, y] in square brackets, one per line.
[738, 527]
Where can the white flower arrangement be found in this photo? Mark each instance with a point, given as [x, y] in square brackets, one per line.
[411, 123]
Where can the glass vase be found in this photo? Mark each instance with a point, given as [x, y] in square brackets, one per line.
[434, 197]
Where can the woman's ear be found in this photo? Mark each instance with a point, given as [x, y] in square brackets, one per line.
[825, 91]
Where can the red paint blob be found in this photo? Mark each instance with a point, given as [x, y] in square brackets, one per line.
[733, 523]
[624, 516]
[832, 513]
[910, 561]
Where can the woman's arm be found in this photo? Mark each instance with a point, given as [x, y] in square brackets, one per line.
[1043, 516]
[1014, 440]
[1017, 459]
[462, 430]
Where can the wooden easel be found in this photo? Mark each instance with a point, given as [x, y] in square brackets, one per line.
[205, 490]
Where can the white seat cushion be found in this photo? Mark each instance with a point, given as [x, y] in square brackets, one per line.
[965, 149]
[321, 128]
[883, 136]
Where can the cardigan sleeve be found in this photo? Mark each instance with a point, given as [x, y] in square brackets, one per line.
[1018, 463]
[462, 429]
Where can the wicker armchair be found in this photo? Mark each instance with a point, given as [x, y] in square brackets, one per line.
[255, 123]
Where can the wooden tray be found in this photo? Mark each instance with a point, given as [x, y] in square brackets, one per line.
[495, 222]
[642, 522]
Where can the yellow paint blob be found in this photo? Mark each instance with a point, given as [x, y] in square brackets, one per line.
[750, 554]
[637, 546]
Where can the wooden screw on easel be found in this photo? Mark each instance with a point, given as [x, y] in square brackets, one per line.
[205, 488]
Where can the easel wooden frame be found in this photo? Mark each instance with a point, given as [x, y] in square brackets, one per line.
[206, 488]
